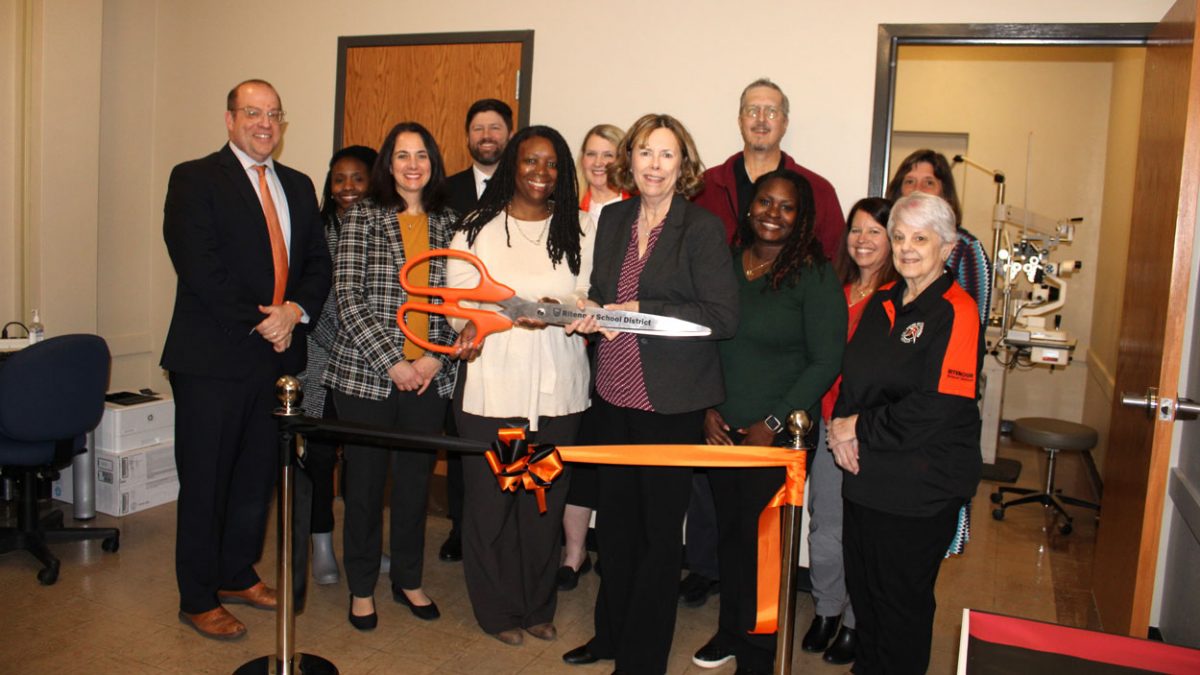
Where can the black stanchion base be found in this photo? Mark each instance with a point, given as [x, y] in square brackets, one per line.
[302, 664]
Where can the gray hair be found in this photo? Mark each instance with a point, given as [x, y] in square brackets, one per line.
[765, 82]
[925, 212]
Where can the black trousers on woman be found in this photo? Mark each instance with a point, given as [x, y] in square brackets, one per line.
[892, 564]
[322, 457]
[511, 551]
[366, 470]
[740, 496]
[639, 533]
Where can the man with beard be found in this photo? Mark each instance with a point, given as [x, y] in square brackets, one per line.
[728, 188]
[489, 126]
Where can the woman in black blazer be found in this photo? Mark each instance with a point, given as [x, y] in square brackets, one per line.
[380, 378]
[657, 253]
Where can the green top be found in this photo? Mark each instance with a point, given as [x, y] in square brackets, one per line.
[788, 347]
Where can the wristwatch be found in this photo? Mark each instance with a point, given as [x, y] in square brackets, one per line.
[773, 423]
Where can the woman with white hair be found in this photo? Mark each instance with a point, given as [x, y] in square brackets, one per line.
[906, 431]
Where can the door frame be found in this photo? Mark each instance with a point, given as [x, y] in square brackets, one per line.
[893, 36]
[524, 84]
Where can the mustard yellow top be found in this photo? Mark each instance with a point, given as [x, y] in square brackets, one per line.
[414, 233]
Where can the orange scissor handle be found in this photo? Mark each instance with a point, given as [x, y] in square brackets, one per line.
[485, 321]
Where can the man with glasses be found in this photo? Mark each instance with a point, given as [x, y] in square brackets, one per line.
[763, 120]
[246, 240]
[728, 189]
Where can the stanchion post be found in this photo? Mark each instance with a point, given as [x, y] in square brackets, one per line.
[286, 661]
[799, 425]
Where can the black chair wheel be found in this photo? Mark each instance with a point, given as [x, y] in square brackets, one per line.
[1065, 529]
[997, 497]
[111, 544]
[48, 575]
[998, 514]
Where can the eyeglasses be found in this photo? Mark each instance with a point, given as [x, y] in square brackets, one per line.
[275, 116]
[758, 111]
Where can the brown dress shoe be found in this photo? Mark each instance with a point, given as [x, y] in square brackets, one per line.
[217, 624]
[543, 631]
[259, 595]
[511, 637]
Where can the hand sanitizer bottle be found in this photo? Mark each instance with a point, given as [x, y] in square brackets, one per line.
[37, 332]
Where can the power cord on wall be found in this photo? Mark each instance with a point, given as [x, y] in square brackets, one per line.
[4, 331]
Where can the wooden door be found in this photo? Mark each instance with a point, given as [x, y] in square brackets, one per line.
[433, 82]
[1151, 337]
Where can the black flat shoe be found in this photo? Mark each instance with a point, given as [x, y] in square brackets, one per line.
[819, 634]
[569, 578]
[842, 650]
[580, 656]
[367, 622]
[423, 612]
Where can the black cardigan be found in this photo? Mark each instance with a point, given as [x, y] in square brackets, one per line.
[689, 276]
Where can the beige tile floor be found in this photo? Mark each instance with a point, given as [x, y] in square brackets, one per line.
[116, 613]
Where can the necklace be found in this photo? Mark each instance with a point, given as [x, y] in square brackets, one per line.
[535, 241]
[647, 222]
[860, 293]
[755, 266]
[409, 220]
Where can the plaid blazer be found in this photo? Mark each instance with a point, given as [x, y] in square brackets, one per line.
[320, 338]
[366, 280]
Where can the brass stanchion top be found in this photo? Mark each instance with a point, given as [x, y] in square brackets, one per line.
[287, 389]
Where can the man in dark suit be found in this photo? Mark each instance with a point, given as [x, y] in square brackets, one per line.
[246, 240]
[489, 126]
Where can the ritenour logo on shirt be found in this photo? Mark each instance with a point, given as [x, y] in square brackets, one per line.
[910, 334]
[959, 374]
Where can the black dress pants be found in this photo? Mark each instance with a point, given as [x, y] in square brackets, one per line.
[366, 469]
[322, 457]
[639, 525]
[892, 564]
[226, 454]
[511, 550]
[740, 496]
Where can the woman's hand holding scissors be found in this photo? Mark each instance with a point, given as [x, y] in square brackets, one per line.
[588, 325]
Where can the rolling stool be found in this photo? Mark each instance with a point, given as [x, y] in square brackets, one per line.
[1053, 436]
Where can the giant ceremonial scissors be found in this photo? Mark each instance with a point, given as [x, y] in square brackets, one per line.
[511, 308]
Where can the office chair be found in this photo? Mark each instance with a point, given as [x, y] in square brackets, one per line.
[1053, 436]
[51, 395]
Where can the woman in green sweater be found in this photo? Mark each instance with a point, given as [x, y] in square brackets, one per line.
[786, 353]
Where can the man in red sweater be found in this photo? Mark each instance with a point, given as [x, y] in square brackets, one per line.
[763, 120]
[727, 191]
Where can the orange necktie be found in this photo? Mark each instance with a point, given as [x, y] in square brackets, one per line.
[278, 248]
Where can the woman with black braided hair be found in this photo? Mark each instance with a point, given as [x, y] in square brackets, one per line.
[785, 354]
[530, 235]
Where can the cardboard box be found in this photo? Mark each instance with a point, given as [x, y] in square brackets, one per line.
[63, 489]
[135, 480]
[125, 427]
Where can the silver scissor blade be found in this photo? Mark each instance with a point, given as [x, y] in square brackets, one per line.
[618, 320]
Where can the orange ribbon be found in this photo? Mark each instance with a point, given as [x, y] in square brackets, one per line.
[790, 493]
[528, 466]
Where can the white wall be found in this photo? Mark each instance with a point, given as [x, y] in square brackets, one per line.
[1039, 114]
[64, 140]
[163, 85]
[1115, 224]
[11, 72]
